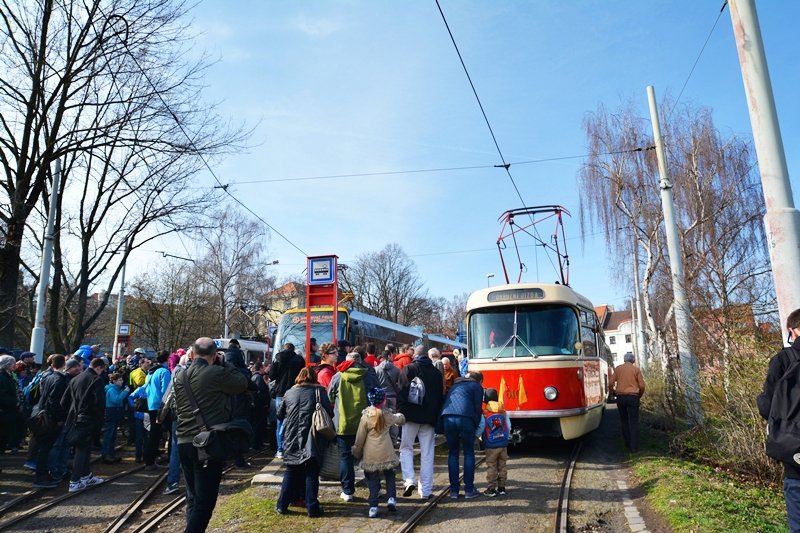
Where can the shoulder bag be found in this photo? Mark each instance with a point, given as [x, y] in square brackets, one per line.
[228, 440]
[321, 423]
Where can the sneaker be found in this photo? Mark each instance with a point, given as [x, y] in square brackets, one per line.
[471, 494]
[391, 505]
[279, 455]
[501, 491]
[90, 480]
[46, 483]
[172, 488]
[490, 493]
[408, 490]
[75, 486]
[30, 465]
[346, 497]
[373, 512]
[453, 494]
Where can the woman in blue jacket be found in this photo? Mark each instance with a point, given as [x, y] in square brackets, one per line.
[155, 386]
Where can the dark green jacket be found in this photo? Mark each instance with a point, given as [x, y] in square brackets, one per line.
[212, 386]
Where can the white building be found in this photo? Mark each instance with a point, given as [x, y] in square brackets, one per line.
[620, 331]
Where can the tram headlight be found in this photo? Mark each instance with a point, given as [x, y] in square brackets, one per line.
[580, 374]
[551, 393]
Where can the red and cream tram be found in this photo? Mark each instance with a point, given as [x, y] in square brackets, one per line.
[541, 346]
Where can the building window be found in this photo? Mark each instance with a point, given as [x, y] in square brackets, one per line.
[612, 340]
[628, 339]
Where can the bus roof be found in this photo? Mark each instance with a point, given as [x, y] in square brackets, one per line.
[512, 293]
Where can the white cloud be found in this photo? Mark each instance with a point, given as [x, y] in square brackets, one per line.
[316, 27]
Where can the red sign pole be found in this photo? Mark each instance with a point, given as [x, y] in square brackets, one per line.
[322, 289]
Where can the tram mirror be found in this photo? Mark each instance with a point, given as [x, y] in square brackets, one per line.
[578, 347]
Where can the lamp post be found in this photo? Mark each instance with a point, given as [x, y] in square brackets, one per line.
[488, 279]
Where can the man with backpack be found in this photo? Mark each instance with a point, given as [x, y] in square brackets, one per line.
[774, 402]
[420, 401]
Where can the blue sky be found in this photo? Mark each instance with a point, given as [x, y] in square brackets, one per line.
[351, 87]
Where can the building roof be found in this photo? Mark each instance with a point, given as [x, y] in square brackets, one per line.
[286, 289]
[615, 318]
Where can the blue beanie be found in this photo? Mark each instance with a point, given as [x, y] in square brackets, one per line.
[375, 396]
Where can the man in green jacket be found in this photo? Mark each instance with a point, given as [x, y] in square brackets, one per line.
[211, 383]
[348, 395]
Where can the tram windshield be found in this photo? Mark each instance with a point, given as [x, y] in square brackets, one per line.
[292, 328]
[524, 331]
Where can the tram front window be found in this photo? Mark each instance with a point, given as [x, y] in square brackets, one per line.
[292, 329]
[523, 331]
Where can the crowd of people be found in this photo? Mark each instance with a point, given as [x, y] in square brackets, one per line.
[380, 405]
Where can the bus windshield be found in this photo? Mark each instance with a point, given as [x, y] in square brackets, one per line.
[292, 328]
[524, 331]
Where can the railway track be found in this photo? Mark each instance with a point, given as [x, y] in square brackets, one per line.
[562, 508]
[29, 494]
[559, 518]
[123, 521]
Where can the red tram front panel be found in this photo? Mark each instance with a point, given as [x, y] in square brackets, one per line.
[521, 385]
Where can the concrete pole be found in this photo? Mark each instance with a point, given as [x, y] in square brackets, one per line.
[641, 357]
[225, 329]
[683, 320]
[782, 220]
[120, 302]
[38, 333]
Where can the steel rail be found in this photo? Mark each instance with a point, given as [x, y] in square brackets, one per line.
[412, 521]
[562, 509]
[134, 506]
[46, 505]
[166, 510]
[33, 492]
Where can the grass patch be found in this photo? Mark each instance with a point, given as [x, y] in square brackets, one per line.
[247, 512]
[693, 497]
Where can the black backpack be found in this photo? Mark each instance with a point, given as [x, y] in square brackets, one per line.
[783, 424]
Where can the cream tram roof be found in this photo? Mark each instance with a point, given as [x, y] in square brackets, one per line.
[503, 295]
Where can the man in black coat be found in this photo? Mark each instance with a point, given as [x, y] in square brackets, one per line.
[52, 387]
[85, 402]
[284, 370]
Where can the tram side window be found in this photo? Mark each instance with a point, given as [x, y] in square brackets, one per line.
[588, 338]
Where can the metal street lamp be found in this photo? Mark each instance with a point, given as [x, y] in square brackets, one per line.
[488, 279]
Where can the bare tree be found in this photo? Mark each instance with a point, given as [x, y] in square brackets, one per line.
[386, 284]
[105, 86]
[233, 268]
[718, 204]
[168, 306]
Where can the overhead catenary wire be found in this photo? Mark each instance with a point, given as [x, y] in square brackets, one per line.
[425, 170]
[505, 165]
[699, 55]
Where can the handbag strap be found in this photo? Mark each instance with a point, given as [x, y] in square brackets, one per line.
[192, 401]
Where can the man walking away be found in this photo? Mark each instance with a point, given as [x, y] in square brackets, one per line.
[628, 386]
[212, 385]
[420, 422]
[461, 415]
[778, 366]
[85, 402]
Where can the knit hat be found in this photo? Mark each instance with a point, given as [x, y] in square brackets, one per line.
[376, 396]
[72, 363]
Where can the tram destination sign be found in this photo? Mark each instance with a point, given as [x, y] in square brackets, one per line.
[510, 295]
